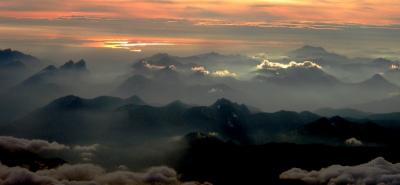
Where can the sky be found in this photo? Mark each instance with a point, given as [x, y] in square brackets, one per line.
[354, 27]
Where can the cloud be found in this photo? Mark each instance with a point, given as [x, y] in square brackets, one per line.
[266, 64]
[80, 174]
[223, 73]
[377, 171]
[219, 73]
[35, 145]
[86, 152]
[353, 142]
[40, 146]
[200, 70]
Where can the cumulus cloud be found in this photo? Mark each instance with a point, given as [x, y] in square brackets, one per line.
[35, 145]
[200, 70]
[353, 142]
[224, 73]
[219, 73]
[377, 171]
[85, 174]
[266, 64]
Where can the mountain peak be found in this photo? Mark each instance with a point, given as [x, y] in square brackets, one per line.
[66, 102]
[317, 54]
[222, 102]
[378, 77]
[176, 104]
[14, 55]
[227, 105]
[135, 100]
[313, 48]
[71, 65]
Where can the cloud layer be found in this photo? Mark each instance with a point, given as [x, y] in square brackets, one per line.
[90, 174]
[35, 145]
[378, 171]
[79, 174]
[39, 146]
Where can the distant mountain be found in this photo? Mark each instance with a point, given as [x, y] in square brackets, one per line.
[15, 58]
[384, 105]
[318, 55]
[72, 102]
[378, 83]
[168, 85]
[212, 61]
[382, 63]
[14, 67]
[303, 77]
[383, 119]
[108, 119]
[64, 74]
[344, 112]
[42, 87]
[339, 129]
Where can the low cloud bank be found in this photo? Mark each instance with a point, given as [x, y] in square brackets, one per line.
[378, 171]
[90, 174]
[78, 174]
[39, 146]
[35, 145]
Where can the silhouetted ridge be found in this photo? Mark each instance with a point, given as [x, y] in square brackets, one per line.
[177, 105]
[71, 65]
[9, 55]
[135, 100]
[72, 102]
[50, 68]
[67, 102]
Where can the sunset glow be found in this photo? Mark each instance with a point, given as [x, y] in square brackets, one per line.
[179, 21]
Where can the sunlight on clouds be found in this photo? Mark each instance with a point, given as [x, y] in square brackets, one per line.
[224, 73]
[200, 70]
[133, 46]
[266, 64]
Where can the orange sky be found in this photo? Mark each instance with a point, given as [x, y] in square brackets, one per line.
[368, 12]
[105, 19]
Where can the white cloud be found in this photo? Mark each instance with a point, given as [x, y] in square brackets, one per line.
[201, 70]
[378, 171]
[266, 64]
[224, 73]
[153, 66]
[353, 142]
[219, 73]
